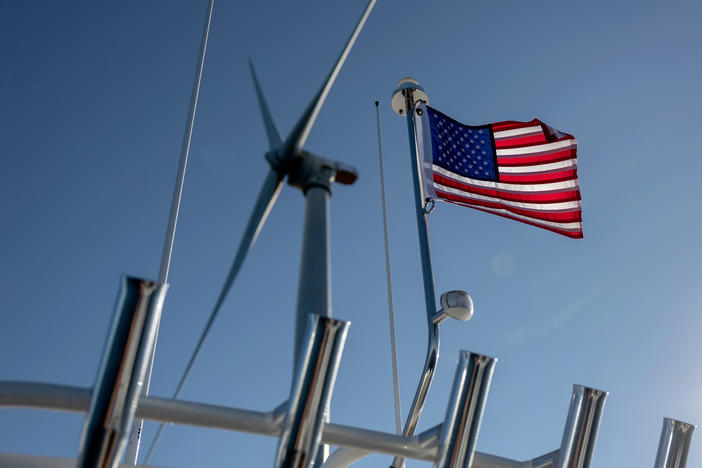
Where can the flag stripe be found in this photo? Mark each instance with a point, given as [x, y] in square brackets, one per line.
[574, 224]
[533, 139]
[545, 198]
[549, 176]
[501, 134]
[511, 124]
[558, 207]
[575, 232]
[538, 168]
[524, 160]
[536, 149]
[566, 218]
[531, 188]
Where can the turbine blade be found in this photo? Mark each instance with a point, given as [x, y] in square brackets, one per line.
[297, 137]
[271, 129]
[265, 201]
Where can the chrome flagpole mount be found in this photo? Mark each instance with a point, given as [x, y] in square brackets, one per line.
[454, 304]
[404, 98]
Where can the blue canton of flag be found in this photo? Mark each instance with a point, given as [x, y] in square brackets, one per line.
[464, 150]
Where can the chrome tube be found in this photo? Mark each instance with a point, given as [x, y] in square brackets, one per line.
[406, 92]
[122, 371]
[356, 440]
[547, 460]
[311, 393]
[580, 433]
[420, 395]
[674, 444]
[461, 426]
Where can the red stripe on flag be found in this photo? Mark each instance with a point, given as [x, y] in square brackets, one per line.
[567, 216]
[574, 234]
[543, 158]
[556, 196]
[555, 176]
[518, 141]
[570, 138]
[513, 124]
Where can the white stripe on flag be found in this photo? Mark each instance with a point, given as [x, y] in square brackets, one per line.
[517, 131]
[527, 188]
[576, 226]
[546, 207]
[537, 148]
[539, 167]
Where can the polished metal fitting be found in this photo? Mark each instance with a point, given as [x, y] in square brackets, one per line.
[455, 304]
[407, 87]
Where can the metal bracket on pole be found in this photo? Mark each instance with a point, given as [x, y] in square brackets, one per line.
[459, 433]
[582, 425]
[122, 372]
[674, 444]
[311, 393]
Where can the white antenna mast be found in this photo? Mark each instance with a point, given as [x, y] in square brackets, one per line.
[132, 454]
[391, 312]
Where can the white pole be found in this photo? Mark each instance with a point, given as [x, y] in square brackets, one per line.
[132, 453]
[391, 313]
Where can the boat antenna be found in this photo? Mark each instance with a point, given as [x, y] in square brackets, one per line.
[391, 313]
[132, 452]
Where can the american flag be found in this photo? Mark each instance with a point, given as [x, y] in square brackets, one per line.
[525, 171]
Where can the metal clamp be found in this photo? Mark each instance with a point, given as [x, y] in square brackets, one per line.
[429, 205]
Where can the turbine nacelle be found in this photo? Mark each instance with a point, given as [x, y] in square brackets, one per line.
[308, 169]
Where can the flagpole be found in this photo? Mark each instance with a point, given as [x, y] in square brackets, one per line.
[132, 453]
[404, 100]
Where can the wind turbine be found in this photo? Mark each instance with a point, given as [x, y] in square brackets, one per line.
[314, 176]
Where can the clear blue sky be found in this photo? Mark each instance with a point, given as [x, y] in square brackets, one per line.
[93, 101]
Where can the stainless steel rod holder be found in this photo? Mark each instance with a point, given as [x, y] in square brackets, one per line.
[459, 433]
[122, 371]
[674, 444]
[310, 395]
[582, 425]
